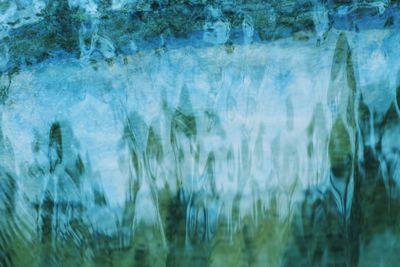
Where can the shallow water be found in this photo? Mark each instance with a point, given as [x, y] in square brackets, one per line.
[235, 139]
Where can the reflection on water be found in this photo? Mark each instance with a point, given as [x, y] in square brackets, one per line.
[278, 153]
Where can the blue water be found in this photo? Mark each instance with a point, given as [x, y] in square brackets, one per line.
[233, 144]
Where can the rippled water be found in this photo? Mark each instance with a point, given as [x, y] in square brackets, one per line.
[199, 133]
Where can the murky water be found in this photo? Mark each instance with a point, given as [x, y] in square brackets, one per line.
[251, 139]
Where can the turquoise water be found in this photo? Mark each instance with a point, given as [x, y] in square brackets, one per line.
[203, 133]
